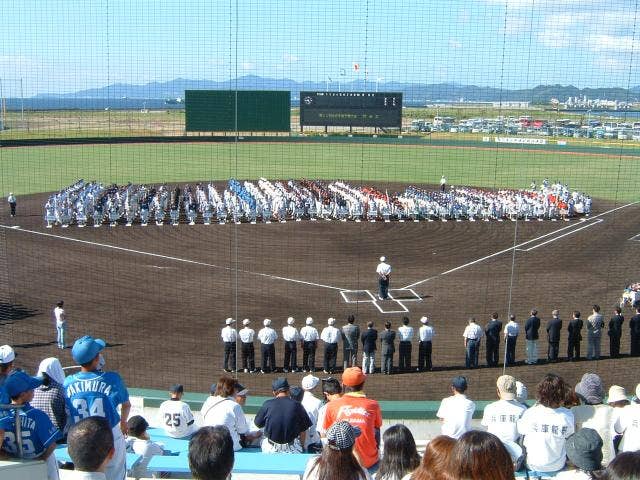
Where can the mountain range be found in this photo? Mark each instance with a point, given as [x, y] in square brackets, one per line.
[414, 93]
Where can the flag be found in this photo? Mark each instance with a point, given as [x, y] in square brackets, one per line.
[356, 67]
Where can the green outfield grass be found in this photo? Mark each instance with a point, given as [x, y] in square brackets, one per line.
[41, 169]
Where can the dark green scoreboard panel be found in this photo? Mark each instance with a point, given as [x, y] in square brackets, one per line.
[257, 111]
[351, 109]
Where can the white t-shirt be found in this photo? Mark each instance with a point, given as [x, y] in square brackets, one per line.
[501, 419]
[628, 422]
[60, 316]
[176, 418]
[225, 411]
[147, 449]
[545, 432]
[600, 418]
[456, 411]
[311, 404]
[383, 269]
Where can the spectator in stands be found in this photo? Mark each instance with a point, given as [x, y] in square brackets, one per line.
[337, 459]
[554, 327]
[595, 324]
[547, 425]
[139, 442]
[615, 332]
[49, 397]
[575, 337]
[331, 390]
[359, 411]
[176, 416]
[626, 466]
[584, 451]
[350, 337]
[251, 439]
[480, 455]
[36, 426]
[400, 456]
[593, 413]
[531, 327]
[7, 357]
[628, 424]
[472, 335]
[91, 447]
[522, 394]
[220, 408]
[311, 404]
[435, 461]
[296, 393]
[284, 420]
[617, 399]
[455, 412]
[501, 417]
[211, 454]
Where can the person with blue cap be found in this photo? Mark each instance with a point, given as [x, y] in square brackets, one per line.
[39, 435]
[93, 392]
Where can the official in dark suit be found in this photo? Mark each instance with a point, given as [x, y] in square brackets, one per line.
[531, 327]
[575, 336]
[369, 340]
[554, 327]
[492, 332]
[615, 332]
[634, 327]
[387, 339]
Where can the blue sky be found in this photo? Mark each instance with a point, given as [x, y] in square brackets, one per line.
[66, 45]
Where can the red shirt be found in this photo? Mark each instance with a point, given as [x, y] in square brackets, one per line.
[360, 412]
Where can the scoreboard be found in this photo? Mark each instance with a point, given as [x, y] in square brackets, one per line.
[351, 109]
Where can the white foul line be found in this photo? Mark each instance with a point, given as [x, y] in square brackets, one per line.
[519, 245]
[167, 257]
[591, 224]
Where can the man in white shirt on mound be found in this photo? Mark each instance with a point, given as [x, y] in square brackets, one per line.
[455, 412]
[175, 416]
[501, 417]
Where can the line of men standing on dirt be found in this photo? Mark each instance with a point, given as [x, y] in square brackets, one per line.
[350, 335]
[595, 326]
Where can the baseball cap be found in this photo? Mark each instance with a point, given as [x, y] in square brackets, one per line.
[229, 321]
[86, 348]
[7, 355]
[137, 425]
[590, 388]
[584, 449]
[290, 321]
[309, 321]
[424, 320]
[19, 382]
[459, 383]
[176, 388]
[246, 322]
[617, 394]
[241, 390]
[266, 322]
[296, 393]
[341, 435]
[353, 376]
[331, 321]
[382, 259]
[309, 382]
[507, 386]
[522, 392]
[280, 384]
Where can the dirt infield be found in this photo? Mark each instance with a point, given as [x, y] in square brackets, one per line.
[159, 295]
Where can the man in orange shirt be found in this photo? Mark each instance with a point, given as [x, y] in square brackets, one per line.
[359, 411]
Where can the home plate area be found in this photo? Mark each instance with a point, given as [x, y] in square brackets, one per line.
[394, 304]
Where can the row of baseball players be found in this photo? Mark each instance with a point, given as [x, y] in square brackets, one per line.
[331, 336]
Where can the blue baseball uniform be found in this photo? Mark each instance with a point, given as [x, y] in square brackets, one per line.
[98, 394]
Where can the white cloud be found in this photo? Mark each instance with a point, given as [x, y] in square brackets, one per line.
[621, 43]
[453, 43]
[248, 66]
[290, 58]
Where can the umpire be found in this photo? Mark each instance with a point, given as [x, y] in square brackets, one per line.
[229, 337]
[247, 351]
[268, 337]
[405, 335]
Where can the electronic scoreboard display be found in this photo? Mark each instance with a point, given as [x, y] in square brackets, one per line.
[351, 109]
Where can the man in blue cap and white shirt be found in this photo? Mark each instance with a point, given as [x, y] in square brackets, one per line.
[39, 435]
[92, 392]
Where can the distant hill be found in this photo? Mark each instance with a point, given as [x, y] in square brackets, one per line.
[413, 92]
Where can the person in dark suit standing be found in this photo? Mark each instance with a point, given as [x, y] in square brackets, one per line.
[531, 327]
[575, 336]
[615, 332]
[554, 327]
[387, 339]
[492, 332]
[369, 340]
[634, 327]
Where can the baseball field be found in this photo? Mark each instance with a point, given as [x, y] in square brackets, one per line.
[159, 295]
